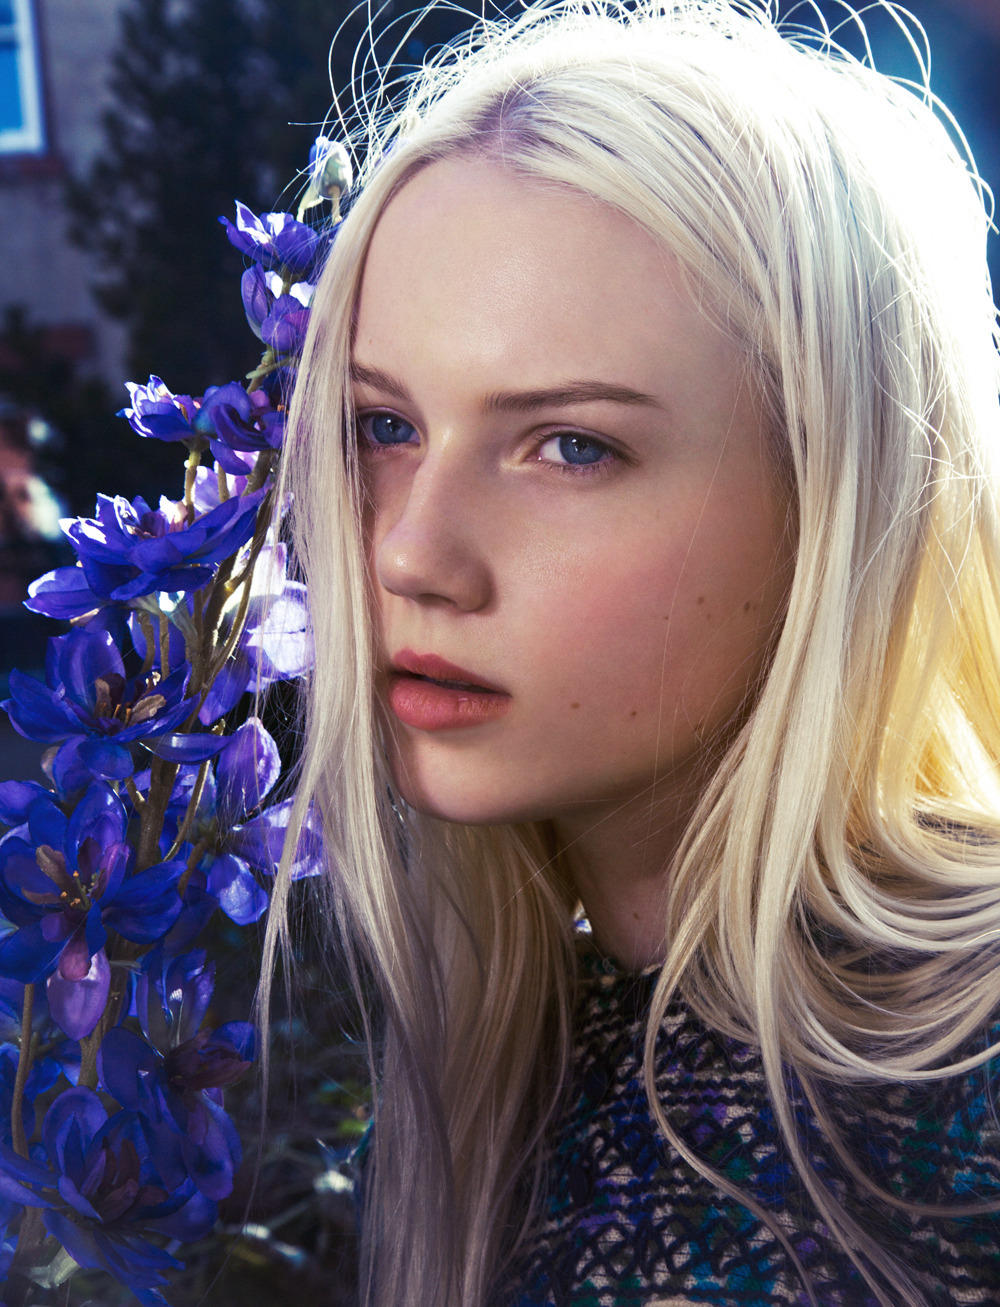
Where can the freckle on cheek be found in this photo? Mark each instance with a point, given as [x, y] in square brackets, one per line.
[746, 606]
[634, 712]
[574, 705]
[701, 599]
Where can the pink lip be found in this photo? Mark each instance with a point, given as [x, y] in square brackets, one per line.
[429, 706]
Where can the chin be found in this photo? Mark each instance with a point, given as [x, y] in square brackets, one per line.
[457, 805]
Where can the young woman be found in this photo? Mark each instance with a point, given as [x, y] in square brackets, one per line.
[644, 462]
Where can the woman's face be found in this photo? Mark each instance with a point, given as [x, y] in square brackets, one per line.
[570, 503]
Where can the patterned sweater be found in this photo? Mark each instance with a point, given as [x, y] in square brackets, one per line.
[628, 1222]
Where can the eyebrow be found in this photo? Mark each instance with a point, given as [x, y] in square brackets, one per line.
[520, 401]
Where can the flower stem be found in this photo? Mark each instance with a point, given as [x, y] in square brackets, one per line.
[197, 853]
[190, 475]
[25, 1058]
[29, 1238]
[265, 460]
[120, 951]
[134, 795]
[146, 626]
[268, 364]
[164, 644]
[161, 780]
[189, 815]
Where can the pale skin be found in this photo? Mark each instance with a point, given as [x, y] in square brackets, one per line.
[572, 494]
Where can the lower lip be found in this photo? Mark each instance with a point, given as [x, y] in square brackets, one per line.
[431, 707]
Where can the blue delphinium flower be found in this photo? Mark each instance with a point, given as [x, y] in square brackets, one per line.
[129, 550]
[278, 315]
[225, 418]
[102, 1194]
[233, 842]
[63, 594]
[89, 707]
[275, 240]
[276, 643]
[173, 1079]
[157, 413]
[63, 887]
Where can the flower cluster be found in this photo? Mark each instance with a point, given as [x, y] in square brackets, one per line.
[115, 1144]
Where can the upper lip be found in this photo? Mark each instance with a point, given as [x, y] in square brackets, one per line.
[439, 669]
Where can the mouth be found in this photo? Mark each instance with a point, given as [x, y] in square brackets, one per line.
[434, 670]
[428, 693]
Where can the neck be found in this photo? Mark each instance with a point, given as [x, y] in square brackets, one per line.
[619, 858]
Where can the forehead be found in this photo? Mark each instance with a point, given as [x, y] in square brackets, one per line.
[472, 261]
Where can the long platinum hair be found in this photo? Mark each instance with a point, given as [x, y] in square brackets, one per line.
[828, 224]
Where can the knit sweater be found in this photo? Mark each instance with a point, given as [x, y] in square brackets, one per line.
[627, 1221]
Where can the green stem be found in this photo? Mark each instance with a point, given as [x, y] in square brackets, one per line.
[24, 1060]
[268, 364]
[190, 475]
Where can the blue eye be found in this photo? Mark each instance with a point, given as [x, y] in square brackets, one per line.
[386, 429]
[574, 451]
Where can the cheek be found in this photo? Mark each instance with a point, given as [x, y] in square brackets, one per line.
[653, 631]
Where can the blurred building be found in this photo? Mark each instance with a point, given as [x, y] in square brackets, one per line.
[54, 65]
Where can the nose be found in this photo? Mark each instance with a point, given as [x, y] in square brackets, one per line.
[429, 545]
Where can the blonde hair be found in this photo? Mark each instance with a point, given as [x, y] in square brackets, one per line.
[828, 224]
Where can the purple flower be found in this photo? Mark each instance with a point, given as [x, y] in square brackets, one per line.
[103, 1195]
[206, 484]
[226, 417]
[174, 1081]
[157, 412]
[63, 594]
[63, 887]
[278, 316]
[87, 704]
[129, 550]
[243, 422]
[274, 240]
[276, 644]
[233, 841]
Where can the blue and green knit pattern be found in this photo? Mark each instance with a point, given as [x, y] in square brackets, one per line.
[628, 1222]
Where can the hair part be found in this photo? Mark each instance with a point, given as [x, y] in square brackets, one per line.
[784, 177]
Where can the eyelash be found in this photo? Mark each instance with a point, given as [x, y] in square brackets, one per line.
[601, 467]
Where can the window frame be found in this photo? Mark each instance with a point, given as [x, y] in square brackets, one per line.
[29, 137]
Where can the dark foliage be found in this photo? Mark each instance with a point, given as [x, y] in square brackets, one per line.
[94, 450]
[211, 100]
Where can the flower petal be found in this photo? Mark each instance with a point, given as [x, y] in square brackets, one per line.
[246, 771]
[239, 895]
[186, 748]
[147, 904]
[77, 1005]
